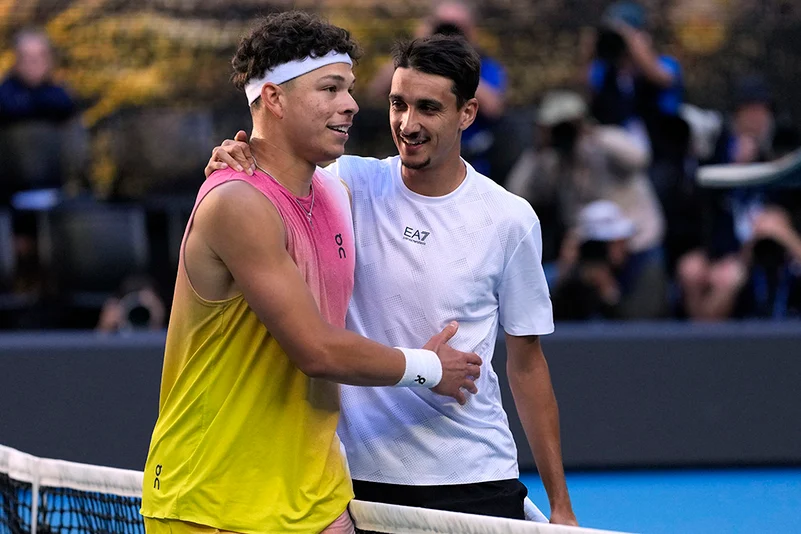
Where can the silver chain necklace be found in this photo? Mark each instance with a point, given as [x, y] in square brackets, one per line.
[308, 212]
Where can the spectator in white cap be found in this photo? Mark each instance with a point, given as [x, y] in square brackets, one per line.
[607, 281]
[578, 162]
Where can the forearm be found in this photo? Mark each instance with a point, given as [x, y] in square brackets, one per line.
[623, 148]
[648, 63]
[536, 406]
[349, 358]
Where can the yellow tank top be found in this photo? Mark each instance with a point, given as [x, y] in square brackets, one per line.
[244, 440]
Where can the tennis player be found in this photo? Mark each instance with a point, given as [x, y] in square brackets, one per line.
[438, 241]
[245, 439]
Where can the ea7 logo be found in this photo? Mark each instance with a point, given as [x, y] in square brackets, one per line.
[415, 236]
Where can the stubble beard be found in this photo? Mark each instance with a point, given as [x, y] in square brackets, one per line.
[416, 166]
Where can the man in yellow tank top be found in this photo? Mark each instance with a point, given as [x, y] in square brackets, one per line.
[245, 440]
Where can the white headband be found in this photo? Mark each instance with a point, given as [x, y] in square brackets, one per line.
[289, 71]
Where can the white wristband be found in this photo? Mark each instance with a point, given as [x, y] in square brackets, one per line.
[423, 369]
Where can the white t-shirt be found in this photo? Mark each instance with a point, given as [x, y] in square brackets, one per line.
[473, 255]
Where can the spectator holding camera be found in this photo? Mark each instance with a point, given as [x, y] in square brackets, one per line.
[606, 281]
[631, 84]
[453, 17]
[136, 306]
[749, 259]
[774, 289]
[580, 162]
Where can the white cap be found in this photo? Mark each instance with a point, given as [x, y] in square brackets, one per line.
[561, 106]
[603, 220]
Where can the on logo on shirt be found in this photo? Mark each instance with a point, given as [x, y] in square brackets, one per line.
[156, 481]
[339, 242]
[415, 236]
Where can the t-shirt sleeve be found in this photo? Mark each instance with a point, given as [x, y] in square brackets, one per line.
[350, 169]
[670, 98]
[525, 302]
[340, 170]
[493, 74]
[673, 67]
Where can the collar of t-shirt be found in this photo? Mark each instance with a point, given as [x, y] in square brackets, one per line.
[417, 197]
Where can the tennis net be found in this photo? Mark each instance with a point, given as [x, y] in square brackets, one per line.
[44, 496]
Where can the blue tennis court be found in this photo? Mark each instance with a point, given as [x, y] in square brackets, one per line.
[686, 501]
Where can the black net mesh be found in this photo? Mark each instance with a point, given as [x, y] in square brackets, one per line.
[69, 511]
[15, 505]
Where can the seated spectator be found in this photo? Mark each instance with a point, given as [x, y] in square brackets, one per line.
[606, 281]
[714, 277]
[580, 162]
[29, 92]
[34, 140]
[34, 111]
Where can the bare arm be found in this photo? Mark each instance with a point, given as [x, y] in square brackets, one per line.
[241, 229]
[644, 56]
[530, 382]
[623, 148]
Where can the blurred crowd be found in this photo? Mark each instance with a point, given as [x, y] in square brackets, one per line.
[610, 170]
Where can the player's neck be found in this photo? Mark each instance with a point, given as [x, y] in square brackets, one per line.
[435, 182]
[288, 169]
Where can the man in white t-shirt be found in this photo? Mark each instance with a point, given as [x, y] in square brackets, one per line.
[437, 241]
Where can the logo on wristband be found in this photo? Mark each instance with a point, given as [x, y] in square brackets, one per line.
[420, 380]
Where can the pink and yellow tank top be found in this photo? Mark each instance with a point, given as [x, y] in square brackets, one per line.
[244, 440]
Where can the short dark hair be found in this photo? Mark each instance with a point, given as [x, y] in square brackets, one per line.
[288, 36]
[449, 56]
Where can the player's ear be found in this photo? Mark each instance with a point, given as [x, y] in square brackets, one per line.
[273, 99]
[469, 111]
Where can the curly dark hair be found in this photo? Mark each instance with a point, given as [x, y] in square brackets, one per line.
[450, 56]
[284, 37]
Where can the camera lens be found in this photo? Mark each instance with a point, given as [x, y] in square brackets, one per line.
[769, 254]
[610, 45]
[139, 316]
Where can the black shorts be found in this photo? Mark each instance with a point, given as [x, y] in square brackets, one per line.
[499, 498]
